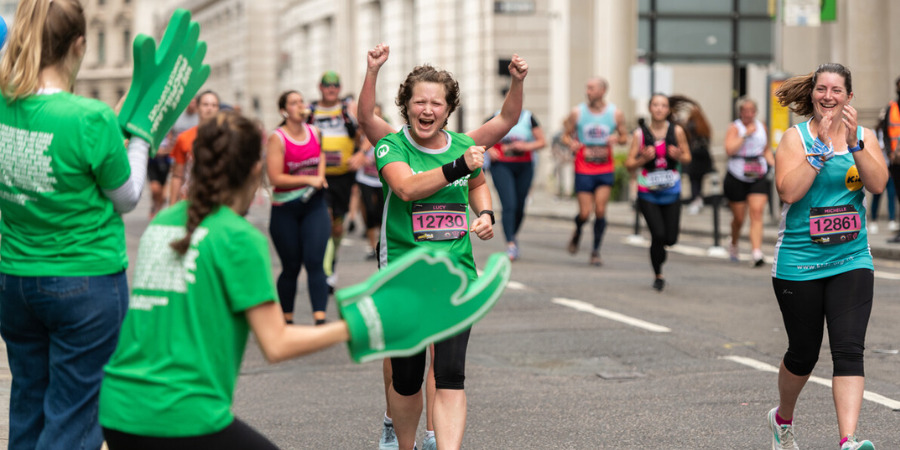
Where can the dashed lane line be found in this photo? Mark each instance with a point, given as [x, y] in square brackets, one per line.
[579, 305]
[701, 252]
[611, 315]
[515, 285]
[761, 366]
[758, 365]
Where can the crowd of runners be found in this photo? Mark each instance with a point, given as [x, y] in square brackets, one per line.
[334, 161]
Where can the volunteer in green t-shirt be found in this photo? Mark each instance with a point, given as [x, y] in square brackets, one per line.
[431, 177]
[203, 280]
[65, 178]
[191, 271]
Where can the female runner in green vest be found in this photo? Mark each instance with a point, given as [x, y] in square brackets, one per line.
[431, 177]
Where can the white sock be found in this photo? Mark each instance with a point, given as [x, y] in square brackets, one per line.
[757, 254]
[429, 434]
[387, 420]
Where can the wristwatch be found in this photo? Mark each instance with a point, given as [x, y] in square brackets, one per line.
[860, 144]
[488, 212]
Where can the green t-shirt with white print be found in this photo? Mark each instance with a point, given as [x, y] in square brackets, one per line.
[174, 370]
[57, 152]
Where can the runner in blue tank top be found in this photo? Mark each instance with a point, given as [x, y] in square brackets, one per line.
[590, 131]
[823, 270]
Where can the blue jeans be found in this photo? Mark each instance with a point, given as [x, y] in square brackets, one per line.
[512, 180]
[300, 233]
[59, 332]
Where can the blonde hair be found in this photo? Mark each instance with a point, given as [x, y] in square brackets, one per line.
[42, 34]
[744, 100]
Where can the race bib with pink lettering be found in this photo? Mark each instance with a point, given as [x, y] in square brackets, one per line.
[333, 158]
[753, 168]
[439, 221]
[834, 224]
[596, 154]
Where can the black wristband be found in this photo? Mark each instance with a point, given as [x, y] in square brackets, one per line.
[456, 169]
[490, 213]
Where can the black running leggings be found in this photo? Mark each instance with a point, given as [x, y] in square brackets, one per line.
[844, 302]
[664, 222]
[237, 436]
[449, 366]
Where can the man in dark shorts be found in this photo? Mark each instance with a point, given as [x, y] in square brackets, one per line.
[340, 138]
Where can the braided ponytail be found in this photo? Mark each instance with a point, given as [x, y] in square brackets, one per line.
[225, 151]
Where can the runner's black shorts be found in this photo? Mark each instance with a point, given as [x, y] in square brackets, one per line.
[338, 193]
[158, 169]
[737, 191]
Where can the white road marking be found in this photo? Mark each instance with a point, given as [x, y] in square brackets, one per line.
[515, 285]
[761, 366]
[697, 251]
[611, 315]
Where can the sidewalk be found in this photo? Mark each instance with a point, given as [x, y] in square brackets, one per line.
[545, 204]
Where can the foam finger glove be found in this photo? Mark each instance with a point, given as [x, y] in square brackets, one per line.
[421, 298]
[165, 79]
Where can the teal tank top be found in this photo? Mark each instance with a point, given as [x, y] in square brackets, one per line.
[824, 233]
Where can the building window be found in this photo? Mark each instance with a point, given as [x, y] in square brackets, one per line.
[101, 47]
[95, 93]
[126, 47]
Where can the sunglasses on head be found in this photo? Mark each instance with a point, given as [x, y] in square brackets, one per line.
[328, 85]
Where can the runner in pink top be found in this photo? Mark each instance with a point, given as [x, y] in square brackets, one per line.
[300, 224]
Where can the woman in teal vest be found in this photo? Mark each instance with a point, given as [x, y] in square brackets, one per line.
[823, 270]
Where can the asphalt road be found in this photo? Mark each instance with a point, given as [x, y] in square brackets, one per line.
[579, 357]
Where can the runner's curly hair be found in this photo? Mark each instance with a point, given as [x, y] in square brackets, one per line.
[429, 74]
[226, 150]
[796, 92]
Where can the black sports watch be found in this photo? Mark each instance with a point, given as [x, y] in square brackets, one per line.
[860, 144]
[488, 212]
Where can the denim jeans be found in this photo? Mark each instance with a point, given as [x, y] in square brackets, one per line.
[513, 181]
[59, 332]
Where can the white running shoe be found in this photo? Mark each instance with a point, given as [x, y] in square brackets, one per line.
[893, 225]
[853, 444]
[782, 435]
[873, 228]
[429, 443]
[695, 206]
[733, 253]
[388, 438]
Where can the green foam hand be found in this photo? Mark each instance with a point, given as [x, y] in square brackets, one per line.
[423, 297]
[165, 79]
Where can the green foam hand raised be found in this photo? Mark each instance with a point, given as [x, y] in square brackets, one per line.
[423, 297]
[165, 79]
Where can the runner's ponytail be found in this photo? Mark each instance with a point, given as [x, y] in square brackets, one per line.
[41, 36]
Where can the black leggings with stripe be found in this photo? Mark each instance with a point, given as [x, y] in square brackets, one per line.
[843, 302]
